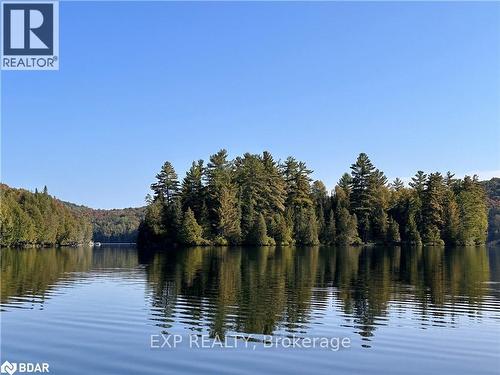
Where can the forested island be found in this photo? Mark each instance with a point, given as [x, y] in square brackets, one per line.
[255, 200]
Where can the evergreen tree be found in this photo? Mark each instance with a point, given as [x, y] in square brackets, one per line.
[193, 192]
[362, 193]
[473, 213]
[222, 202]
[34, 219]
[331, 236]
[282, 231]
[393, 235]
[307, 229]
[254, 200]
[258, 234]
[321, 205]
[397, 185]
[432, 209]
[297, 181]
[451, 218]
[274, 185]
[345, 183]
[418, 185]
[380, 224]
[166, 186]
[229, 215]
[172, 220]
[347, 227]
[191, 233]
[411, 231]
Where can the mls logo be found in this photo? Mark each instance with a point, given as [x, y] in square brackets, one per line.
[30, 35]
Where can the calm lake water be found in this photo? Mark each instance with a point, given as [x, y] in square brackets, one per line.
[94, 311]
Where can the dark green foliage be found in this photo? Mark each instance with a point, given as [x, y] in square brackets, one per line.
[258, 233]
[393, 235]
[411, 231]
[451, 218]
[432, 209]
[306, 232]
[281, 230]
[193, 191]
[362, 193]
[229, 215]
[492, 188]
[473, 212]
[254, 200]
[191, 233]
[347, 227]
[166, 186]
[151, 229]
[330, 232]
[397, 184]
[380, 224]
[38, 219]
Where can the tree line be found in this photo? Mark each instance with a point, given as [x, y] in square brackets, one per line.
[256, 200]
[38, 219]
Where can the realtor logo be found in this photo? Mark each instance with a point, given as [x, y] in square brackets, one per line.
[30, 35]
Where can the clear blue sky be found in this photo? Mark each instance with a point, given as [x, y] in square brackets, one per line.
[415, 85]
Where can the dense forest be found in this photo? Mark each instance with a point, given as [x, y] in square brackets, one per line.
[38, 219]
[115, 225]
[255, 200]
[492, 188]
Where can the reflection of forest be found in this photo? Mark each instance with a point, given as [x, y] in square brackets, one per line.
[262, 290]
[34, 272]
[266, 290]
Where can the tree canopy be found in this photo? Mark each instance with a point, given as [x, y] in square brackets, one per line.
[255, 200]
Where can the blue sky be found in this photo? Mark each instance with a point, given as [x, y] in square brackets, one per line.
[414, 85]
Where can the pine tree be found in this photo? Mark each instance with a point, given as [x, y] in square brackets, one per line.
[297, 183]
[347, 227]
[172, 220]
[432, 209]
[473, 212]
[380, 224]
[418, 185]
[258, 234]
[411, 231]
[345, 183]
[193, 192]
[331, 235]
[222, 202]
[393, 235]
[451, 218]
[274, 183]
[362, 193]
[306, 232]
[191, 233]
[397, 185]
[166, 186]
[282, 230]
[229, 215]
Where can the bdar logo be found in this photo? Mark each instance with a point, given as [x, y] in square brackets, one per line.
[30, 35]
[8, 367]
